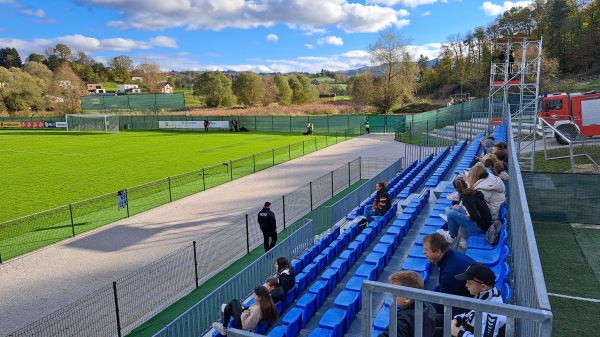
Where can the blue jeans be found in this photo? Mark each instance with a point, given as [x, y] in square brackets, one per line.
[369, 212]
[458, 218]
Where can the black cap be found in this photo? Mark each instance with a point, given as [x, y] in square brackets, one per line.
[478, 273]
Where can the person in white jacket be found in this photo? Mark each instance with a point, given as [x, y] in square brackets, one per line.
[490, 185]
[481, 284]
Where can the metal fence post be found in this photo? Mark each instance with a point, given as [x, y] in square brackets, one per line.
[315, 138]
[332, 184]
[72, 223]
[289, 151]
[283, 211]
[273, 150]
[253, 162]
[117, 309]
[203, 181]
[311, 198]
[349, 176]
[303, 151]
[231, 170]
[170, 194]
[360, 168]
[195, 263]
[247, 235]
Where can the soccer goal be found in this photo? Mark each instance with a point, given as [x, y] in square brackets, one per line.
[99, 123]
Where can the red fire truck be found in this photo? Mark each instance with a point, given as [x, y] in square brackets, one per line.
[573, 115]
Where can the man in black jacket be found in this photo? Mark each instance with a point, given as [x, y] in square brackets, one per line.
[268, 226]
[275, 289]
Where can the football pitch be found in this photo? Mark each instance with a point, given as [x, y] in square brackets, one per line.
[43, 169]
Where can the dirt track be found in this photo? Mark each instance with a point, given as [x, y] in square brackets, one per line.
[35, 285]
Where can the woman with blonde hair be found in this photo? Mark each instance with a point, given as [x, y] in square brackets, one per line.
[490, 185]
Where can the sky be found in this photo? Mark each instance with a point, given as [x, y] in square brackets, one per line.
[254, 35]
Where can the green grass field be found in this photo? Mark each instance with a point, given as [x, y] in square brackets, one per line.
[43, 170]
[77, 175]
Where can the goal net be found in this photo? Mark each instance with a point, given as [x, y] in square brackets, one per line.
[98, 123]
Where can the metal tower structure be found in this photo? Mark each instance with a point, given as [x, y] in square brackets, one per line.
[514, 91]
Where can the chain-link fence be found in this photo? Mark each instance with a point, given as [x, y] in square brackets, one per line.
[563, 197]
[119, 308]
[29, 233]
[127, 103]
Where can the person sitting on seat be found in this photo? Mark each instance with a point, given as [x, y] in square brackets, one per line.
[263, 308]
[285, 274]
[474, 214]
[481, 282]
[405, 313]
[275, 289]
[382, 202]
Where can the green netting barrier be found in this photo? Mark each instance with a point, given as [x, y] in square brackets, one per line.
[563, 197]
[132, 103]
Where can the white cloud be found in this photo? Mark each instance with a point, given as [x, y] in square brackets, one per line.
[221, 14]
[309, 46]
[428, 13]
[310, 30]
[88, 44]
[39, 13]
[119, 25]
[493, 10]
[407, 3]
[272, 37]
[334, 40]
[431, 50]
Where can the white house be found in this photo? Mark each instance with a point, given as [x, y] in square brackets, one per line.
[128, 88]
[166, 88]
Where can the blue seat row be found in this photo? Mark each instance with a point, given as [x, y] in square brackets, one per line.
[470, 153]
[444, 167]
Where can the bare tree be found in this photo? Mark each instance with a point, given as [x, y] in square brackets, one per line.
[152, 75]
[122, 65]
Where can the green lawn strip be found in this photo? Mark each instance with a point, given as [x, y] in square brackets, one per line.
[159, 321]
[566, 269]
[20, 238]
[588, 239]
[43, 170]
[574, 317]
[563, 164]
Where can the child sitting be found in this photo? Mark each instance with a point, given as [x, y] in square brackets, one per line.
[481, 284]
[406, 307]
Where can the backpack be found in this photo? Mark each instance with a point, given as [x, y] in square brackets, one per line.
[492, 235]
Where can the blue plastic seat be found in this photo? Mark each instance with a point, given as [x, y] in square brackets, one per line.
[355, 284]
[341, 265]
[306, 258]
[396, 231]
[404, 224]
[320, 332]
[311, 271]
[297, 264]
[319, 288]
[506, 292]
[478, 241]
[419, 240]
[301, 281]
[378, 260]
[293, 320]
[357, 247]
[289, 297]
[330, 252]
[412, 211]
[384, 248]
[321, 261]
[435, 221]
[279, 306]
[416, 251]
[347, 300]
[262, 327]
[363, 239]
[429, 229]
[382, 319]
[349, 255]
[370, 233]
[330, 275]
[334, 319]
[368, 271]
[419, 265]
[489, 257]
[278, 331]
[308, 303]
[390, 240]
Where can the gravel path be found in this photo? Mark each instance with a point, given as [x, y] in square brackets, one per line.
[35, 285]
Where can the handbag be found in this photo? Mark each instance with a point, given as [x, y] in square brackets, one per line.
[492, 235]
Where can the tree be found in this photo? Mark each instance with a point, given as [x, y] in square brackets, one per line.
[101, 72]
[65, 90]
[389, 53]
[22, 92]
[249, 88]
[122, 65]
[39, 71]
[284, 91]
[215, 88]
[270, 86]
[152, 76]
[33, 57]
[361, 88]
[9, 57]
[56, 56]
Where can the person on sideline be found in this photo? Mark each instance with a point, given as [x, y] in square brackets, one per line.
[263, 308]
[285, 274]
[481, 283]
[405, 307]
[268, 226]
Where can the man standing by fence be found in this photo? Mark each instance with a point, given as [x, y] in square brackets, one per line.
[268, 226]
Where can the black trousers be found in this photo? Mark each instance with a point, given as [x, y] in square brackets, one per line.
[233, 309]
[272, 236]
